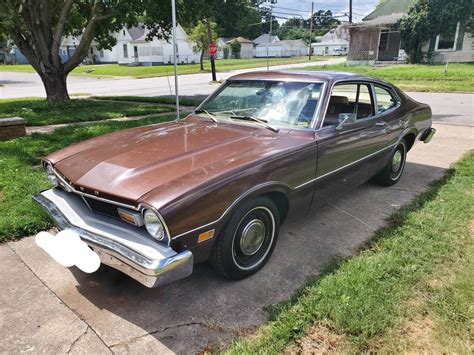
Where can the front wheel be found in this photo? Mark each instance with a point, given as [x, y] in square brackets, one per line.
[248, 239]
[392, 171]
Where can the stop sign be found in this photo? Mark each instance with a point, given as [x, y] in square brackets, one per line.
[212, 49]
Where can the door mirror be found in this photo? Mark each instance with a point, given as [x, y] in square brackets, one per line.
[345, 118]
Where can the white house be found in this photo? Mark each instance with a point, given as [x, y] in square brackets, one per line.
[265, 38]
[333, 42]
[286, 48]
[221, 44]
[133, 49]
[332, 47]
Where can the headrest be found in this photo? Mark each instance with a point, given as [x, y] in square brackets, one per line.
[339, 100]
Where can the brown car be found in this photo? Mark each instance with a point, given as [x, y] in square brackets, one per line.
[154, 200]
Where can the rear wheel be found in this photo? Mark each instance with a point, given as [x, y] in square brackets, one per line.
[392, 171]
[248, 239]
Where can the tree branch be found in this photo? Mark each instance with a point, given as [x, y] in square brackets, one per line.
[59, 30]
[83, 46]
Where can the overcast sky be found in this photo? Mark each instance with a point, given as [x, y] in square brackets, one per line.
[292, 8]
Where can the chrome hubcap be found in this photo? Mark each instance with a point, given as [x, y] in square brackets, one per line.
[252, 238]
[396, 161]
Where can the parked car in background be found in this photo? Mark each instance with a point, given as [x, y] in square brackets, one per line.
[217, 185]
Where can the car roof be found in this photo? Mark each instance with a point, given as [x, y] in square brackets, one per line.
[300, 75]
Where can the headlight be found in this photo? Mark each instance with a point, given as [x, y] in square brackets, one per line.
[153, 225]
[50, 173]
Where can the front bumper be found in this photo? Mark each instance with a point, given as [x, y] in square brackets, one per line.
[121, 246]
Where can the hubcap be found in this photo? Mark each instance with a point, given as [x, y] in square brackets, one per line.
[396, 161]
[252, 238]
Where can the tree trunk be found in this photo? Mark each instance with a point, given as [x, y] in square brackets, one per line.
[201, 60]
[56, 87]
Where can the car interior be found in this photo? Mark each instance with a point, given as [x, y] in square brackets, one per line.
[351, 99]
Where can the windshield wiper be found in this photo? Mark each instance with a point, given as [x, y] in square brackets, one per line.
[209, 114]
[256, 119]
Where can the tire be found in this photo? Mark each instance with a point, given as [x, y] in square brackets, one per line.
[247, 240]
[392, 171]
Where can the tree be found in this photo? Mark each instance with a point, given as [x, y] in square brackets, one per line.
[428, 18]
[297, 28]
[38, 26]
[200, 37]
[235, 48]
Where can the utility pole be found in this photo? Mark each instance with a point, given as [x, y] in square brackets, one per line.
[211, 57]
[350, 11]
[311, 30]
[270, 35]
[175, 61]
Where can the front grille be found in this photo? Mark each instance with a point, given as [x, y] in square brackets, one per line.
[102, 207]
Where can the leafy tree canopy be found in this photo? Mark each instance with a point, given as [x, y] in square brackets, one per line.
[428, 18]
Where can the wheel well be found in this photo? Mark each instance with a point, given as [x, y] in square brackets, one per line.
[281, 201]
[410, 139]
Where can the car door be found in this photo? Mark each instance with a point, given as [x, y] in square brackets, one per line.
[351, 152]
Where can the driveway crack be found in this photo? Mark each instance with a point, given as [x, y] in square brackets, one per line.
[351, 215]
[77, 339]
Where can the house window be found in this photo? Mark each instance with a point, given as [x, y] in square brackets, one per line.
[125, 51]
[447, 42]
[101, 53]
[123, 32]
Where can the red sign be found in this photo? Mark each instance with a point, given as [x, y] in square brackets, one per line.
[212, 49]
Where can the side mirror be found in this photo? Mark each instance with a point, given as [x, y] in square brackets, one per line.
[345, 118]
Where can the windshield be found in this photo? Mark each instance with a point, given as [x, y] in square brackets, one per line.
[278, 103]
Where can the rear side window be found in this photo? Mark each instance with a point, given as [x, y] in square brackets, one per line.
[348, 99]
[385, 99]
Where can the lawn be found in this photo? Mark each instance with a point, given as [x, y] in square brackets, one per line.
[38, 112]
[417, 77]
[21, 175]
[420, 265]
[183, 101]
[163, 70]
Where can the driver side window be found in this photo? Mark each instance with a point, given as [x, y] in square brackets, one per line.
[352, 100]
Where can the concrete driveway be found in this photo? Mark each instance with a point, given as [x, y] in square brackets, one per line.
[47, 308]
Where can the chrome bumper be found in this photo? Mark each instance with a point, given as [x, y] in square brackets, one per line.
[121, 246]
[427, 135]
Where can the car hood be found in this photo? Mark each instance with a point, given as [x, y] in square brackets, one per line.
[174, 157]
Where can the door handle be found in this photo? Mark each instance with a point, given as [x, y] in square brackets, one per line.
[382, 124]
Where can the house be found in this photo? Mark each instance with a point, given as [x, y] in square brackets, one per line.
[133, 48]
[333, 42]
[265, 38]
[246, 47]
[221, 45]
[376, 39]
[286, 48]
[331, 47]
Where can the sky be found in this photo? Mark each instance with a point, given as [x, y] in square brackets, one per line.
[293, 8]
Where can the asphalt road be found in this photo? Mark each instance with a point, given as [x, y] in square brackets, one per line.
[47, 308]
[17, 84]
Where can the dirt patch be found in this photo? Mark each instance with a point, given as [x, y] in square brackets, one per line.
[319, 339]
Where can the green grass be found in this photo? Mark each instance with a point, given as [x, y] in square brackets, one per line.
[38, 112]
[417, 77]
[152, 99]
[163, 70]
[21, 175]
[362, 297]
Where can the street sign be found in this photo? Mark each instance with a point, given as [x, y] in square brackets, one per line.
[212, 49]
